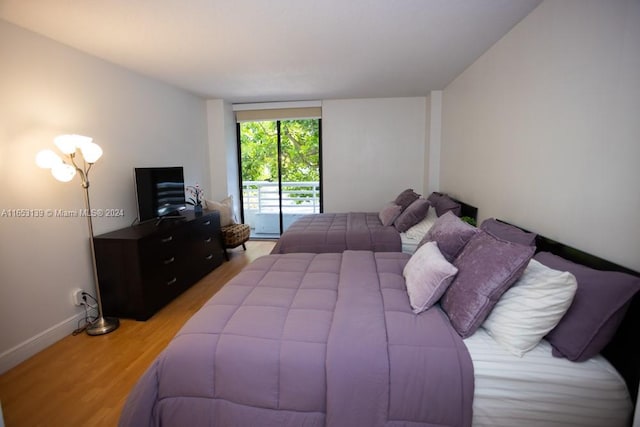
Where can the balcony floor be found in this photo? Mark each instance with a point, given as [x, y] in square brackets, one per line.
[264, 236]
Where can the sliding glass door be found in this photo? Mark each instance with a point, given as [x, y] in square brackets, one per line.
[280, 173]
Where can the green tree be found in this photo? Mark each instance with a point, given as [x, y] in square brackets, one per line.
[300, 154]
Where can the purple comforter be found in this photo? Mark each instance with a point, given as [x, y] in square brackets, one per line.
[337, 232]
[310, 340]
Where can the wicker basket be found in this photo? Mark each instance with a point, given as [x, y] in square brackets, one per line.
[234, 235]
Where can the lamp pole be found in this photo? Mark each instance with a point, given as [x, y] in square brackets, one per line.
[101, 325]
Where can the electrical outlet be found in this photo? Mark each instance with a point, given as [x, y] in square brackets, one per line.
[76, 297]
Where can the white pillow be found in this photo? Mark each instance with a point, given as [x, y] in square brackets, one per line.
[427, 275]
[418, 231]
[225, 207]
[533, 306]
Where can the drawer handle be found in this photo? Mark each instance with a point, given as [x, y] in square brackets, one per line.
[169, 260]
[208, 257]
[207, 240]
[172, 281]
[208, 222]
[167, 239]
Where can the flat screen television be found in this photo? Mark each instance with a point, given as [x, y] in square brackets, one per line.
[159, 192]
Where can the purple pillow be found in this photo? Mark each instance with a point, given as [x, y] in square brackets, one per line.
[434, 197]
[443, 203]
[389, 213]
[427, 276]
[412, 215]
[405, 198]
[597, 310]
[508, 232]
[451, 233]
[487, 267]
[446, 204]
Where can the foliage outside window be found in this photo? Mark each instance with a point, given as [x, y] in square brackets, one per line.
[299, 146]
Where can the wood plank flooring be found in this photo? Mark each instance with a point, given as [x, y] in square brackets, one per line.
[84, 381]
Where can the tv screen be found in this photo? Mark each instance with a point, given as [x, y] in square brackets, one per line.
[159, 191]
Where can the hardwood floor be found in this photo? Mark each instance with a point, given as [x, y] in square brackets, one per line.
[84, 381]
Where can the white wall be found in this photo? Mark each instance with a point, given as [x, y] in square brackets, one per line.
[223, 152]
[544, 129]
[48, 89]
[372, 149]
[428, 183]
[434, 141]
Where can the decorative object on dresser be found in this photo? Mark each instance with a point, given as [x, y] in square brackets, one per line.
[62, 171]
[144, 267]
[196, 197]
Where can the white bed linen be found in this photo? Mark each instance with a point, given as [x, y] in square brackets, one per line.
[541, 390]
[412, 237]
[409, 245]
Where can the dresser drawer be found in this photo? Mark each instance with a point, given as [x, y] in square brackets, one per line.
[162, 246]
[205, 260]
[207, 225]
[143, 268]
[206, 245]
[164, 285]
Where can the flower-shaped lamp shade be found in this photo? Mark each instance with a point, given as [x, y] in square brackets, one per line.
[63, 172]
[47, 159]
[69, 143]
[90, 151]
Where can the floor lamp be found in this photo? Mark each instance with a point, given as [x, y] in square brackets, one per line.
[71, 146]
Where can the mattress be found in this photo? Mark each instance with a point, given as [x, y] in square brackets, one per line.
[541, 390]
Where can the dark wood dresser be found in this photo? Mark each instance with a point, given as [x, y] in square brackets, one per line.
[144, 267]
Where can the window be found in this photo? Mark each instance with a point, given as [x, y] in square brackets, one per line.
[280, 169]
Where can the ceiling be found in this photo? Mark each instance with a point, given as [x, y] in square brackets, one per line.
[277, 50]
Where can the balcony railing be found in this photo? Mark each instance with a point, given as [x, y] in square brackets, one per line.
[297, 197]
[261, 202]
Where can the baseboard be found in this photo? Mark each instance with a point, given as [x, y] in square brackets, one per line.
[18, 354]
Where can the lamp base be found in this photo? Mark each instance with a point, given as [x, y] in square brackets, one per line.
[103, 325]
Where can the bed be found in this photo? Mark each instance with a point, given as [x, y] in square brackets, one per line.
[333, 339]
[401, 230]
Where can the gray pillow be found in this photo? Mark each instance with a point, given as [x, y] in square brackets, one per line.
[405, 198]
[487, 267]
[412, 215]
[508, 232]
[600, 304]
[451, 234]
[389, 213]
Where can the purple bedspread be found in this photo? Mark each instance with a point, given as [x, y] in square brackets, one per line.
[310, 340]
[337, 232]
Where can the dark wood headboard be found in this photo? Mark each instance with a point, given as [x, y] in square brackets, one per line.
[466, 209]
[624, 349]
